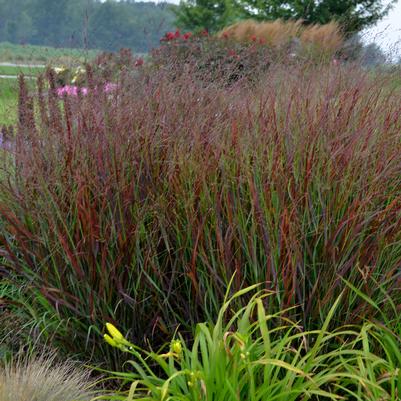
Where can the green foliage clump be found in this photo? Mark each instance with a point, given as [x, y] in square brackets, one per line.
[251, 355]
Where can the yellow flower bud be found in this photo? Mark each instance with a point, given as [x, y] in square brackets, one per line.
[164, 392]
[110, 341]
[114, 332]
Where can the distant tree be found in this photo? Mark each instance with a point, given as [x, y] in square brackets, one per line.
[353, 15]
[352, 48]
[138, 26]
[212, 15]
[373, 55]
[77, 22]
[107, 25]
[50, 19]
[369, 55]
[15, 21]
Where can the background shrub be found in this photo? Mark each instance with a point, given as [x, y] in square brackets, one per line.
[211, 60]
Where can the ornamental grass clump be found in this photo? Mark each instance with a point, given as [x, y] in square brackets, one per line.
[314, 42]
[41, 378]
[251, 355]
[137, 206]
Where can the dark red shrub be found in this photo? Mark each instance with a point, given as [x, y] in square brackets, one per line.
[211, 59]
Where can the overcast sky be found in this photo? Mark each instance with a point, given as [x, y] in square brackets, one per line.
[387, 32]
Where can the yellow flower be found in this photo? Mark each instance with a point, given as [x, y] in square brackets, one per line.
[110, 341]
[114, 332]
[176, 347]
[58, 70]
[79, 75]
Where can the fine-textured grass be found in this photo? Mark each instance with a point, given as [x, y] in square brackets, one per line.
[43, 379]
[40, 54]
[137, 206]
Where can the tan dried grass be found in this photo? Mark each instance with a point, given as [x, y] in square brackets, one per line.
[326, 37]
[274, 33]
[43, 379]
[322, 38]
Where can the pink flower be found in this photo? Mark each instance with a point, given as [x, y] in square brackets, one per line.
[139, 62]
[67, 90]
[177, 34]
[70, 90]
[109, 87]
[60, 91]
[187, 35]
[253, 38]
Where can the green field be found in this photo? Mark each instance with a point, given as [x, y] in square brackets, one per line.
[8, 101]
[41, 54]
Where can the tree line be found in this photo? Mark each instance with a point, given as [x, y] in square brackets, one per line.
[108, 25]
[352, 15]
